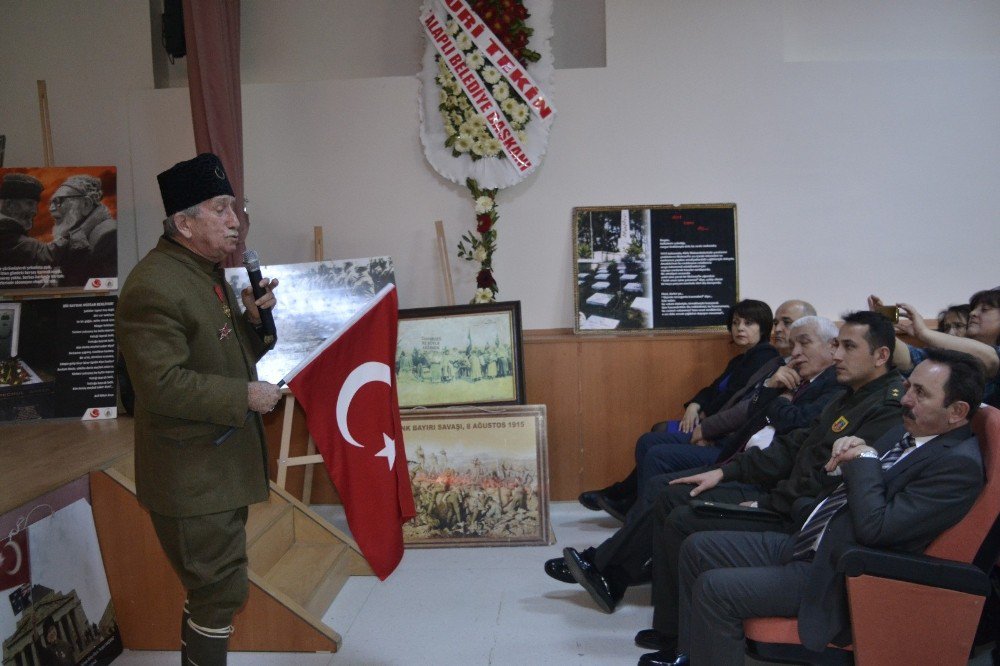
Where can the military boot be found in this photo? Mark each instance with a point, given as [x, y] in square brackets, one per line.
[205, 646]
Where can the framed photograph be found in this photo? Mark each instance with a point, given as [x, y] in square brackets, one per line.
[315, 300]
[460, 355]
[654, 268]
[479, 475]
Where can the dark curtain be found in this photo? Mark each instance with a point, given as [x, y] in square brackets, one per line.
[212, 34]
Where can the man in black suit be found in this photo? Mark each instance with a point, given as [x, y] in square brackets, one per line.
[902, 500]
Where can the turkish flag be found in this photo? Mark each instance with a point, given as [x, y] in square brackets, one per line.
[347, 388]
[14, 564]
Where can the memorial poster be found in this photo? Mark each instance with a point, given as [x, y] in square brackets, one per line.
[58, 228]
[55, 603]
[654, 267]
[314, 301]
[61, 359]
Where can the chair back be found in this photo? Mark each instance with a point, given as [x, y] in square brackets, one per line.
[976, 538]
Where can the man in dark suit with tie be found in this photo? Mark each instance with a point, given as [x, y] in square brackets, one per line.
[902, 500]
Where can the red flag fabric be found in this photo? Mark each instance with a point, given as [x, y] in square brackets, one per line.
[14, 565]
[347, 388]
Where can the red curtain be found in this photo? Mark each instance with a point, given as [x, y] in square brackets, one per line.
[212, 36]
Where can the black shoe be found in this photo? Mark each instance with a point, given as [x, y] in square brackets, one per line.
[589, 499]
[616, 508]
[664, 658]
[556, 568]
[651, 639]
[604, 590]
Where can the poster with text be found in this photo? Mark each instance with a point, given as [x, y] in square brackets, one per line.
[55, 603]
[60, 361]
[654, 267]
[58, 228]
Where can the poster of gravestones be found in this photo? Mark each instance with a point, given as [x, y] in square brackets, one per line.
[654, 268]
[55, 604]
[58, 228]
[57, 358]
[314, 301]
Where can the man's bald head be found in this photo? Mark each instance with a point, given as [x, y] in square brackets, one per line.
[786, 314]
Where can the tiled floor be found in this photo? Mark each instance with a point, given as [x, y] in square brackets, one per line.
[471, 606]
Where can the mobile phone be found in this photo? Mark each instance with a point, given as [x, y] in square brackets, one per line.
[890, 312]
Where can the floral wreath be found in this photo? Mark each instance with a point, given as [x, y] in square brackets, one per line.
[457, 138]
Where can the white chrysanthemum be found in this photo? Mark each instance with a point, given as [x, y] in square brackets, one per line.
[442, 97]
[480, 254]
[449, 129]
[463, 42]
[484, 204]
[508, 106]
[474, 60]
[463, 144]
[522, 136]
[483, 296]
[451, 27]
[519, 114]
[478, 121]
[490, 146]
[501, 91]
[477, 146]
[456, 118]
[468, 128]
[491, 75]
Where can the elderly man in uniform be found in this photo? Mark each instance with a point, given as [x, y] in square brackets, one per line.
[192, 356]
[87, 226]
[19, 196]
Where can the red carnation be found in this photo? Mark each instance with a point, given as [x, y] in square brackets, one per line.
[484, 223]
[484, 279]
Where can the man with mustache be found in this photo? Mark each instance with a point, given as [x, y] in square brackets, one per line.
[192, 360]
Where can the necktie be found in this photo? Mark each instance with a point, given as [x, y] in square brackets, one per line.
[808, 538]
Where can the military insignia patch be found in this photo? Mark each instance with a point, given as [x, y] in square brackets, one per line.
[839, 424]
[894, 393]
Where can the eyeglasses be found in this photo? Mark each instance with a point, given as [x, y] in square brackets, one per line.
[57, 202]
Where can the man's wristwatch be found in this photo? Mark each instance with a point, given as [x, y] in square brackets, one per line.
[869, 454]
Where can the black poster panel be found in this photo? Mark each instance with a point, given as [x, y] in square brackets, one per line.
[655, 267]
[694, 266]
[64, 366]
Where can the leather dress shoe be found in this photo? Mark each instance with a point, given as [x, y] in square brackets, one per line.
[556, 568]
[616, 508]
[651, 639]
[604, 590]
[664, 658]
[589, 499]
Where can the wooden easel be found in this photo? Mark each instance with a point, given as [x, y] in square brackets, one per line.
[311, 458]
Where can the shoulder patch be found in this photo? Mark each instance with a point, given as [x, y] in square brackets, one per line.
[839, 424]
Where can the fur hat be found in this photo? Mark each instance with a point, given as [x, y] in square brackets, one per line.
[187, 184]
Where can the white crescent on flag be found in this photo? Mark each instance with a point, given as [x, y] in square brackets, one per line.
[372, 371]
[17, 551]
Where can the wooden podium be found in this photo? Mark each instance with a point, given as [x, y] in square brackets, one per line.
[297, 565]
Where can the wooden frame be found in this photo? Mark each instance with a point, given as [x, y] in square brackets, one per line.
[460, 355]
[638, 269]
[479, 476]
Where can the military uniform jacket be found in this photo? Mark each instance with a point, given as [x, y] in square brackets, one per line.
[792, 466]
[190, 363]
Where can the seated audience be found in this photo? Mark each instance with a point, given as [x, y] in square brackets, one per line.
[925, 483]
[954, 319]
[750, 324]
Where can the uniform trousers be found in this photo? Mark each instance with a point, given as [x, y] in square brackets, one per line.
[726, 577]
[209, 554]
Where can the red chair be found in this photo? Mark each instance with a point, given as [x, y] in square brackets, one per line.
[910, 609]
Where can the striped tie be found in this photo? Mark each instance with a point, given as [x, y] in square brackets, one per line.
[807, 539]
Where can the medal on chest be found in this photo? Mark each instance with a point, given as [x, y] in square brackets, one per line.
[226, 328]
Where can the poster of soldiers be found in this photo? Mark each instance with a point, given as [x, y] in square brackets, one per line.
[315, 300]
[460, 355]
[57, 359]
[58, 228]
[654, 267]
[55, 604]
[480, 477]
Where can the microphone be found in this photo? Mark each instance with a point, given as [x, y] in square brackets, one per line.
[252, 263]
